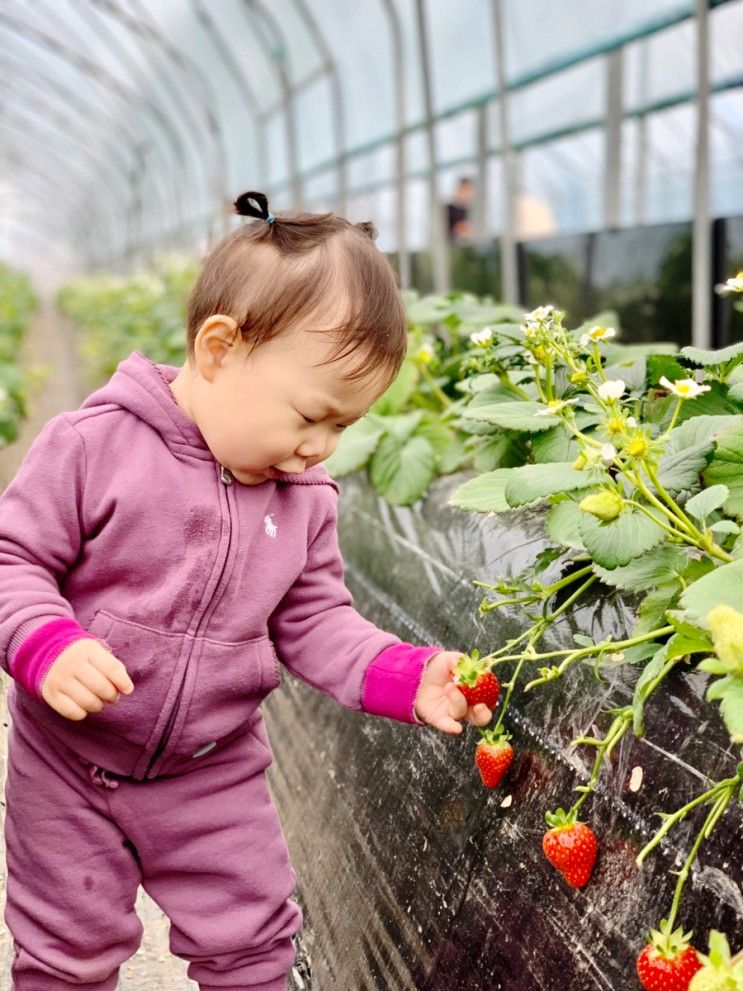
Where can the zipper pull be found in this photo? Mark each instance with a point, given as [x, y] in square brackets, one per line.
[225, 475]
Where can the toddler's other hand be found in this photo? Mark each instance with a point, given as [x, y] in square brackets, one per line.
[440, 703]
[83, 679]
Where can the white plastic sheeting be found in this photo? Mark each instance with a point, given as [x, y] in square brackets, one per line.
[129, 125]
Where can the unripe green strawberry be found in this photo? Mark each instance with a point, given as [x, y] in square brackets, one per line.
[475, 681]
[668, 962]
[712, 980]
[570, 846]
[493, 756]
[605, 505]
[726, 626]
[719, 971]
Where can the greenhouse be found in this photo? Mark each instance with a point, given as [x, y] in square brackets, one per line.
[371, 463]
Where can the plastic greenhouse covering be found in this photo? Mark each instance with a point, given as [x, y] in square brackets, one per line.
[129, 126]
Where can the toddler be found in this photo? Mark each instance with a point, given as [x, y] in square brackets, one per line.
[162, 549]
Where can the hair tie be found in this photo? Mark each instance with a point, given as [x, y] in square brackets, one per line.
[254, 205]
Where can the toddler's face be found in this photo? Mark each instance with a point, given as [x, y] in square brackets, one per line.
[280, 409]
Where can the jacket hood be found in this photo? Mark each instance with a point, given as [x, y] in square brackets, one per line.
[142, 387]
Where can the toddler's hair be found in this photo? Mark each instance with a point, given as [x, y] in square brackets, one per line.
[299, 270]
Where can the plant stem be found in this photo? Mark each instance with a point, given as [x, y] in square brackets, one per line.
[615, 733]
[444, 399]
[586, 651]
[671, 819]
[717, 810]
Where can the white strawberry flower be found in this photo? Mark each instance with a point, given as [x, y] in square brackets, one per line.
[597, 334]
[540, 315]
[554, 406]
[482, 337]
[425, 353]
[611, 389]
[4, 395]
[684, 388]
[732, 285]
[608, 452]
[631, 421]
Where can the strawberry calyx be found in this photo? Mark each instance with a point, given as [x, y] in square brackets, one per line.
[493, 737]
[560, 819]
[469, 668]
[669, 943]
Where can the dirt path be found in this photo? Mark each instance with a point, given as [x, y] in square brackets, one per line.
[50, 343]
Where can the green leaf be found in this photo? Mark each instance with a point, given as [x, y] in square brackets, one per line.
[736, 392]
[660, 565]
[725, 527]
[663, 364]
[723, 586]
[651, 613]
[726, 467]
[454, 456]
[651, 670]
[698, 429]
[532, 483]
[484, 494]
[513, 416]
[402, 425]
[355, 447]
[700, 506]
[615, 543]
[731, 707]
[698, 356]
[680, 645]
[679, 472]
[563, 522]
[402, 470]
[502, 450]
[397, 395]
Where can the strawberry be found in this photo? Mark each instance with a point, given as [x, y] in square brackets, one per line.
[476, 681]
[720, 972]
[493, 756]
[570, 846]
[668, 962]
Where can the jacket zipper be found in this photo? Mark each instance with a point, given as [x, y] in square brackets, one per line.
[162, 743]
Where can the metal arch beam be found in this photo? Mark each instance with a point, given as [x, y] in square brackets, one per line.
[123, 57]
[45, 153]
[280, 50]
[339, 128]
[242, 83]
[129, 137]
[44, 190]
[102, 77]
[102, 31]
[701, 265]
[400, 167]
[439, 246]
[64, 127]
[189, 70]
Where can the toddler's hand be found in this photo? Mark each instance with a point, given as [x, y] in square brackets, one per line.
[440, 703]
[83, 679]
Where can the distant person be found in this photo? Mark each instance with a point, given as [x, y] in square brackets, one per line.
[458, 211]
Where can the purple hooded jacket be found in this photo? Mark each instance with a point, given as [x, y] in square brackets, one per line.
[120, 525]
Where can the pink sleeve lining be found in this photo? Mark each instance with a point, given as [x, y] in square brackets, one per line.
[392, 681]
[36, 654]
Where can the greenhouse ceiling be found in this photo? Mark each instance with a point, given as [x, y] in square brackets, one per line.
[128, 127]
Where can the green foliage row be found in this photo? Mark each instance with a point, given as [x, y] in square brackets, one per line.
[17, 305]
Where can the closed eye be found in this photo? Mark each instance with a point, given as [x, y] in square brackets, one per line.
[338, 426]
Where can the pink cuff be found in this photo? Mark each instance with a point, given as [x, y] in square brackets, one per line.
[41, 649]
[392, 681]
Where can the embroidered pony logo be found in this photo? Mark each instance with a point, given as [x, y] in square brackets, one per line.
[271, 528]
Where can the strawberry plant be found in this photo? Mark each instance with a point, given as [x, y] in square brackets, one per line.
[636, 458]
[17, 304]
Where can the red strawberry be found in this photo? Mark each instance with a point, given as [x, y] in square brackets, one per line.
[476, 681]
[493, 756]
[668, 962]
[570, 846]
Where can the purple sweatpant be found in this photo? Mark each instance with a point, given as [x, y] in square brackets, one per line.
[206, 843]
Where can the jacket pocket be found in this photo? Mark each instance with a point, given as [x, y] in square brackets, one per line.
[150, 657]
[229, 681]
